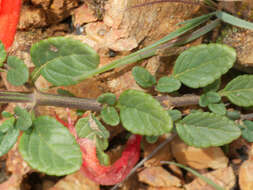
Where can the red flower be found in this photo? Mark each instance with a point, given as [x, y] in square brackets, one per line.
[9, 17]
[106, 175]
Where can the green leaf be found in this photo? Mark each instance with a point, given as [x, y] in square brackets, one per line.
[217, 108]
[3, 54]
[62, 60]
[203, 64]
[6, 114]
[110, 116]
[107, 98]
[64, 92]
[7, 124]
[207, 129]
[50, 148]
[141, 114]
[175, 114]
[143, 77]
[24, 120]
[8, 139]
[168, 84]
[151, 139]
[233, 115]
[91, 128]
[247, 130]
[209, 98]
[213, 87]
[18, 73]
[230, 19]
[240, 91]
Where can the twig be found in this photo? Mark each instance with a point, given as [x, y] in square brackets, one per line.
[173, 135]
[248, 116]
[44, 99]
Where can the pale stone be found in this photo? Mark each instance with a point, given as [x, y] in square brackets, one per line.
[76, 181]
[162, 155]
[82, 15]
[198, 158]
[158, 177]
[224, 177]
[246, 175]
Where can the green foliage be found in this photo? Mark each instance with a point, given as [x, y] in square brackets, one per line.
[247, 130]
[90, 127]
[110, 115]
[209, 98]
[230, 19]
[6, 114]
[24, 119]
[50, 148]
[168, 84]
[175, 114]
[201, 65]
[18, 73]
[143, 77]
[64, 92]
[8, 138]
[62, 60]
[217, 108]
[213, 87]
[240, 91]
[107, 98]
[151, 139]
[233, 115]
[7, 124]
[207, 129]
[141, 114]
[3, 54]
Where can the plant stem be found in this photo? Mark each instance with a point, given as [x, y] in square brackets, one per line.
[44, 99]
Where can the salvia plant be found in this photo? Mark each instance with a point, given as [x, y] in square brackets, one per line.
[55, 147]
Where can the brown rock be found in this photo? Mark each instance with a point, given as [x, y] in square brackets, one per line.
[158, 177]
[18, 168]
[224, 177]
[164, 188]
[76, 181]
[130, 26]
[162, 155]
[198, 158]
[82, 15]
[31, 17]
[44, 3]
[246, 175]
[60, 9]
[56, 10]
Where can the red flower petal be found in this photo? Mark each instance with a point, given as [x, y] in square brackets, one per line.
[9, 17]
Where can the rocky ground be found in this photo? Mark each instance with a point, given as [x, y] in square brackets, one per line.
[115, 28]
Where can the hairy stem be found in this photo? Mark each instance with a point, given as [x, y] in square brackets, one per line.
[44, 99]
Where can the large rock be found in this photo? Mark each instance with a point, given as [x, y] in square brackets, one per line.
[126, 26]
